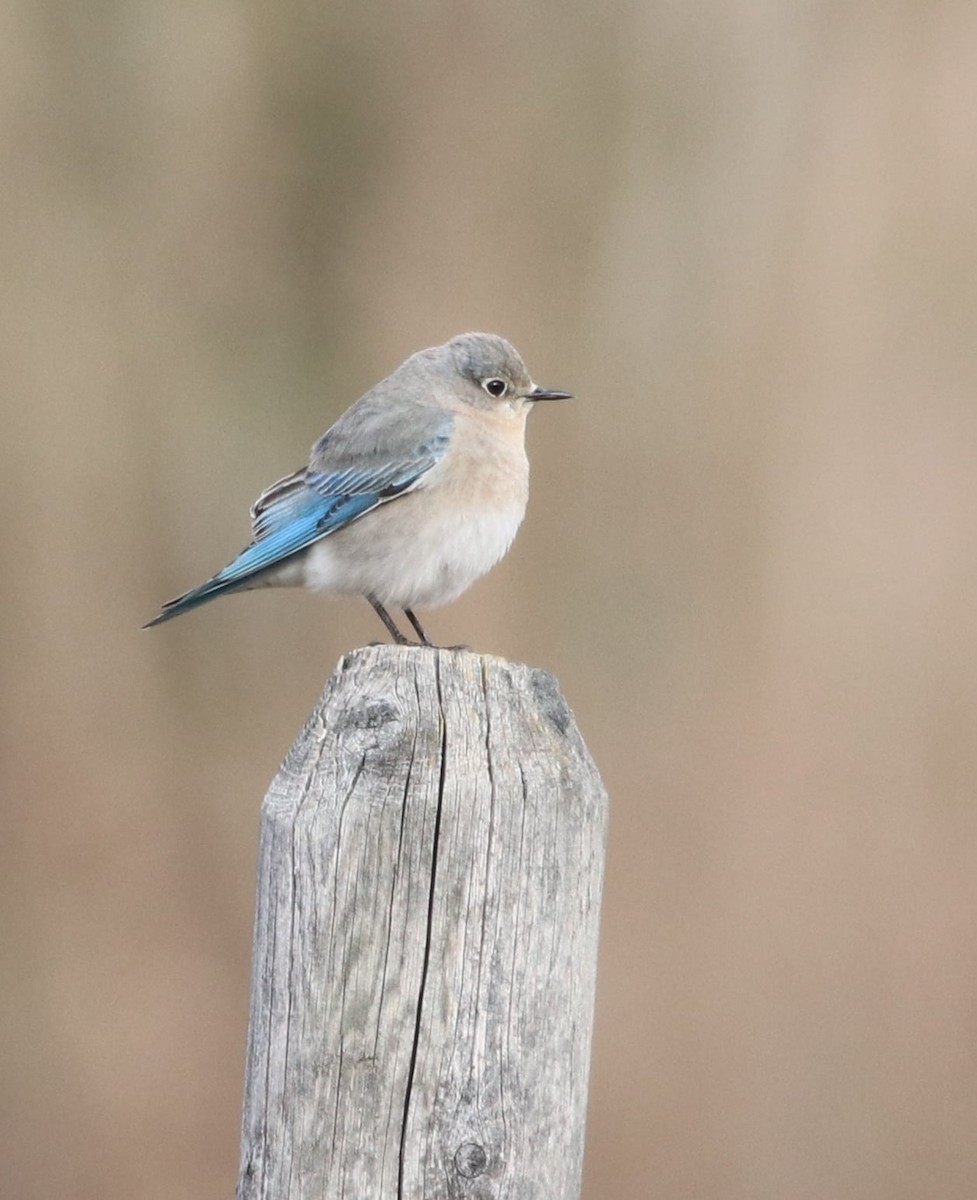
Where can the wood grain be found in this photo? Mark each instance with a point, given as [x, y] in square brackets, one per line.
[425, 940]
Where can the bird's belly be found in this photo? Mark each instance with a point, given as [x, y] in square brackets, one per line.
[415, 551]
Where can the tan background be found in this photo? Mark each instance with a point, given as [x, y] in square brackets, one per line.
[745, 234]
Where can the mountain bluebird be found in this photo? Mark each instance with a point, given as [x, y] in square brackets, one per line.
[415, 492]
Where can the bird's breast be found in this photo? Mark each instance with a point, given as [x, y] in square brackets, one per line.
[428, 546]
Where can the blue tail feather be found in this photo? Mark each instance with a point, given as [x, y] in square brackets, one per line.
[193, 599]
[322, 515]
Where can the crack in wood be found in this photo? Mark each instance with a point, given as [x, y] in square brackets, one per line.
[426, 960]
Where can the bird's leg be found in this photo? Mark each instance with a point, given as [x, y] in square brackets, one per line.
[385, 617]
[425, 640]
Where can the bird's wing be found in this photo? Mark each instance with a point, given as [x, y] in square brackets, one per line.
[347, 477]
[334, 491]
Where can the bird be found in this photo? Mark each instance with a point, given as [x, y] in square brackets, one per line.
[415, 492]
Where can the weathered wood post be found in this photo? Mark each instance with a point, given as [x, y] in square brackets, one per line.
[426, 939]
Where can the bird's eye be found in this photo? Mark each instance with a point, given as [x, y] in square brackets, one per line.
[494, 387]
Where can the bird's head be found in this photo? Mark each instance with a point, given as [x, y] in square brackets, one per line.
[493, 374]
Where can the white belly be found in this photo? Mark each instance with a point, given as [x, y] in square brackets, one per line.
[415, 551]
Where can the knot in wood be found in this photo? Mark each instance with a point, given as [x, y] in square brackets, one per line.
[470, 1160]
[372, 715]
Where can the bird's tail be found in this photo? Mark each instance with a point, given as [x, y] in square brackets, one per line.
[194, 598]
[244, 572]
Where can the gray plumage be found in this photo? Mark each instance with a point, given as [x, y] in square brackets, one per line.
[415, 491]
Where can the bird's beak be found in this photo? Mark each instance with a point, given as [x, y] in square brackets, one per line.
[547, 394]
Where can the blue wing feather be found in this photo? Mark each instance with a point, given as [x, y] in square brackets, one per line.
[311, 504]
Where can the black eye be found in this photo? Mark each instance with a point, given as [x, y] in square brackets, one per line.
[495, 387]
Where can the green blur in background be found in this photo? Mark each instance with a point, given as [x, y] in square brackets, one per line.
[745, 236]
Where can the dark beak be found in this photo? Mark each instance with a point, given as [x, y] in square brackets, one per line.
[546, 394]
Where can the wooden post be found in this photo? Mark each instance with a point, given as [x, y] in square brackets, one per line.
[425, 940]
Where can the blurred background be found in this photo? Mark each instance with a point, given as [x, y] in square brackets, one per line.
[745, 235]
